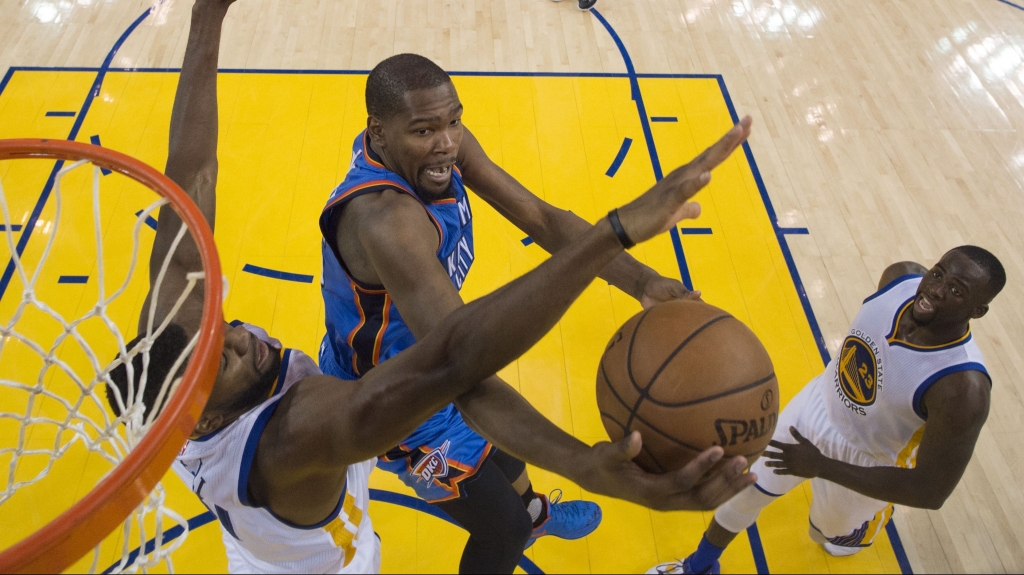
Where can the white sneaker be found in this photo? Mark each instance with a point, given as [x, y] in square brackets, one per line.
[671, 568]
[840, 550]
[680, 568]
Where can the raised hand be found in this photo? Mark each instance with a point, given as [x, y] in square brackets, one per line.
[705, 483]
[667, 202]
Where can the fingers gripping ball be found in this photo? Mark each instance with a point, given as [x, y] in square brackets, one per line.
[688, 376]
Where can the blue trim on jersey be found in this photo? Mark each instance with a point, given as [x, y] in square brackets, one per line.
[285, 359]
[765, 491]
[236, 323]
[249, 453]
[921, 389]
[210, 435]
[891, 285]
[890, 337]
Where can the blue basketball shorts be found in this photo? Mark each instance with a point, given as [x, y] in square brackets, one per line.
[440, 458]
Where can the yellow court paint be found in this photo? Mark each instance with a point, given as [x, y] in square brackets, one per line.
[286, 141]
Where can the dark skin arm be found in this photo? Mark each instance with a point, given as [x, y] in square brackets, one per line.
[957, 407]
[192, 164]
[322, 425]
[553, 228]
[900, 269]
[399, 251]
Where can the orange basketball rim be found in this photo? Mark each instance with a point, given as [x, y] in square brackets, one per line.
[75, 532]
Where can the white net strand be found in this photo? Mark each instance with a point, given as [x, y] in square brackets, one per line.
[103, 436]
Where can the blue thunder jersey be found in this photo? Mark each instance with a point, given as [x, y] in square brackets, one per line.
[364, 327]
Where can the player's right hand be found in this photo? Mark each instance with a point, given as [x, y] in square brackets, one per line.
[703, 484]
[667, 202]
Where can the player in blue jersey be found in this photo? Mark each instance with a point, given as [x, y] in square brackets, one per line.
[282, 453]
[397, 245]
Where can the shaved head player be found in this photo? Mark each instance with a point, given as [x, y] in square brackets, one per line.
[282, 453]
[397, 245]
[893, 419]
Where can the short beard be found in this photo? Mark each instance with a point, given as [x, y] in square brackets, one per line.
[259, 391]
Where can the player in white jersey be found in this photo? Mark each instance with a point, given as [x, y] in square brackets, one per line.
[282, 453]
[858, 431]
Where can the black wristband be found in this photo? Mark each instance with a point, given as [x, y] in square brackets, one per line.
[613, 219]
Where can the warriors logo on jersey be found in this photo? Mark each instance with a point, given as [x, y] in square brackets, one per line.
[857, 377]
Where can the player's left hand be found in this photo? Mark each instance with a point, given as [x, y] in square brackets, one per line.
[708, 481]
[660, 288]
[802, 458]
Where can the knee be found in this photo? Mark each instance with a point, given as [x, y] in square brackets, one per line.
[510, 531]
[741, 511]
[519, 527]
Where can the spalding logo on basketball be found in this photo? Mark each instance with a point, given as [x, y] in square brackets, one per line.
[688, 376]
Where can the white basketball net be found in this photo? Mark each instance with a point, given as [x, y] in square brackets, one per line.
[82, 418]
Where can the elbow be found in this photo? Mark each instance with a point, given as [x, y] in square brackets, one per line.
[930, 501]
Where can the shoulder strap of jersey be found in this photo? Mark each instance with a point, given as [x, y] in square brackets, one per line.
[349, 190]
[926, 385]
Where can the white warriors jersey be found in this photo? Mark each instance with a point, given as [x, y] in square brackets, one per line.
[872, 389]
[216, 467]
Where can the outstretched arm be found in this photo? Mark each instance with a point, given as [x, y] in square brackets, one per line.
[553, 228]
[323, 425]
[192, 164]
[956, 406]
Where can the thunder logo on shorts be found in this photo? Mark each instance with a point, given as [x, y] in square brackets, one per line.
[858, 371]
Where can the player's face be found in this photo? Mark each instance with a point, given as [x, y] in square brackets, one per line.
[422, 141]
[248, 368]
[953, 291]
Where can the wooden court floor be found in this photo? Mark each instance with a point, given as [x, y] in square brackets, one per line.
[861, 156]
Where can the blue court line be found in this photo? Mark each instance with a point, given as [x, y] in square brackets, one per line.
[1012, 4]
[760, 563]
[73, 279]
[278, 275]
[695, 231]
[6, 79]
[419, 505]
[805, 302]
[14, 228]
[652, 151]
[365, 72]
[664, 119]
[375, 495]
[149, 220]
[619, 157]
[94, 91]
[57, 114]
[527, 240]
[897, 547]
[792, 231]
[95, 140]
[169, 535]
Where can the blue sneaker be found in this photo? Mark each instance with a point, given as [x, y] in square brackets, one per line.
[681, 567]
[569, 520]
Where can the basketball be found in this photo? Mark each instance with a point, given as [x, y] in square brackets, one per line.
[688, 376]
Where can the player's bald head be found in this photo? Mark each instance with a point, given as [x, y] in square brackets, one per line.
[396, 76]
[992, 271]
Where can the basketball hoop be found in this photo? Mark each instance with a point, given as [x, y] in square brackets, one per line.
[139, 450]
